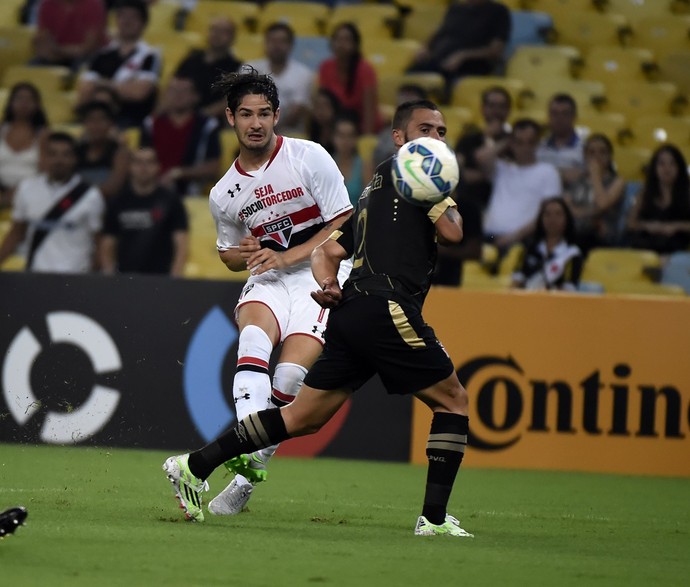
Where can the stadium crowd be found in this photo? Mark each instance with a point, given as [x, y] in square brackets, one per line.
[539, 189]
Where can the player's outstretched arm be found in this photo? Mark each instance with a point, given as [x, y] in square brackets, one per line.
[325, 262]
[448, 224]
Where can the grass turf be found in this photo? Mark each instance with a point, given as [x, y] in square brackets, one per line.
[102, 517]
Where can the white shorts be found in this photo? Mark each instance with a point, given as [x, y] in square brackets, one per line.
[287, 294]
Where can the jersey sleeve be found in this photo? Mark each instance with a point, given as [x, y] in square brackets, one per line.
[228, 233]
[345, 236]
[327, 183]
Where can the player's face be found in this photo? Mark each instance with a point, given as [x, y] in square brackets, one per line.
[254, 120]
[423, 123]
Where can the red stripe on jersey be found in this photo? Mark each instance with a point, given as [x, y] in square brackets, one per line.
[283, 397]
[252, 361]
[297, 218]
[279, 143]
[322, 313]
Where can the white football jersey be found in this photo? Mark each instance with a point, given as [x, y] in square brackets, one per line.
[298, 188]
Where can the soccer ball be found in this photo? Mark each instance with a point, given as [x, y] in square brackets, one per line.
[425, 171]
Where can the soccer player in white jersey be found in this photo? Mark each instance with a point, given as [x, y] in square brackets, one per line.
[280, 199]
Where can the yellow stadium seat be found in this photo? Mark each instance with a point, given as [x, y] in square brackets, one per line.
[15, 45]
[365, 147]
[388, 85]
[631, 162]
[248, 46]
[132, 137]
[609, 266]
[412, 4]
[636, 9]
[243, 14]
[162, 16]
[533, 63]
[174, 46]
[229, 146]
[639, 99]
[588, 94]
[675, 68]
[478, 280]
[305, 18]
[511, 261]
[589, 29]
[662, 34]
[372, 20]
[560, 10]
[653, 131]
[48, 79]
[611, 124]
[613, 65]
[390, 56]
[467, 92]
[457, 119]
[10, 11]
[642, 288]
[60, 108]
[423, 21]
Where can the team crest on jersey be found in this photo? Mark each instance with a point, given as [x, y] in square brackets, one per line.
[280, 230]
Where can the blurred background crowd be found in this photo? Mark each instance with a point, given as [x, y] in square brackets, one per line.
[569, 118]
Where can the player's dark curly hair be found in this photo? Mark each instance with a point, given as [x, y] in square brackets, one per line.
[236, 85]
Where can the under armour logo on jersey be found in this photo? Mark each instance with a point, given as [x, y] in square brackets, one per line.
[316, 330]
[245, 396]
[237, 189]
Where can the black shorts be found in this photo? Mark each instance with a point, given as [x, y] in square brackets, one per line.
[371, 334]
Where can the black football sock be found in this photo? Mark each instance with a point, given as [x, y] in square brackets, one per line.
[444, 451]
[256, 431]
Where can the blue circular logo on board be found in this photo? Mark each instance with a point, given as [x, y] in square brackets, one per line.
[203, 374]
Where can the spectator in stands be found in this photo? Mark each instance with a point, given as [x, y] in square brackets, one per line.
[108, 96]
[552, 260]
[146, 225]
[293, 79]
[204, 65]
[562, 146]
[660, 218]
[128, 65]
[597, 197]
[470, 41]
[519, 187]
[186, 142]
[57, 213]
[69, 32]
[474, 184]
[385, 147]
[102, 158]
[324, 112]
[356, 172]
[22, 137]
[351, 78]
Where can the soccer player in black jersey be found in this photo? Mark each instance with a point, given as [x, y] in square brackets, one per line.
[375, 326]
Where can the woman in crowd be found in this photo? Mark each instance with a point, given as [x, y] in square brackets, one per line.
[351, 78]
[356, 171]
[553, 260]
[660, 217]
[324, 112]
[103, 158]
[23, 131]
[596, 199]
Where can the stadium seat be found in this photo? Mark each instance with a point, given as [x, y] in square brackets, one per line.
[612, 65]
[589, 95]
[634, 99]
[305, 18]
[423, 21]
[611, 266]
[641, 288]
[675, 68]
[174, 46]
[132, 136]
[561, 9]
[229, 146]
[632, 161]
[653, 131]
[662, 34]
[528, 28]
[248, 46]
[589, 29]
[10, 11]
[457, 118]
[15, 262]
[637, 9]
[474, 279]
[365, 147]
[676, 271]
[372, 20]
[48, 79]
[162, 16]
[388, 85]
[243, 14]
[311, 50]
[532, 64]
[511, 261]
[15, 45]
[467, 91]
[60, 108]
[611, 124]
[390, 56]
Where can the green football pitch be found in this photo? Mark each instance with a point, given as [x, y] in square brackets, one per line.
[102, 517]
